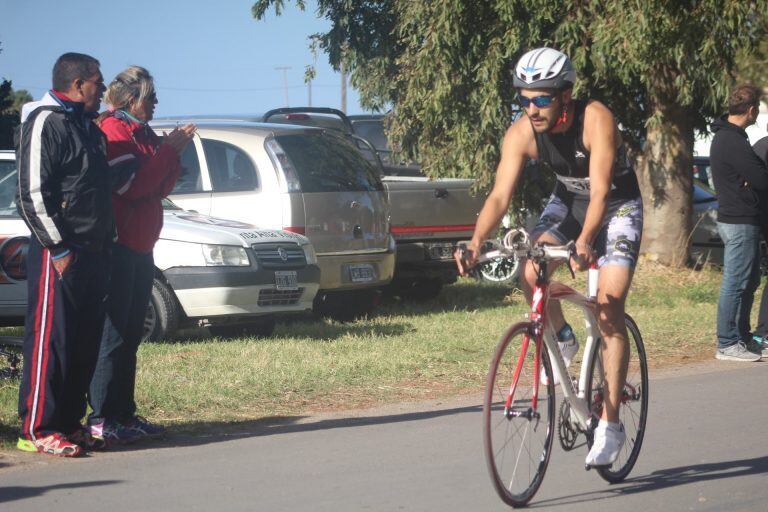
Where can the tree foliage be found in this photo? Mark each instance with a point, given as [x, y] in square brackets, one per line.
[10, 107]
[662, 66]
[752, 63]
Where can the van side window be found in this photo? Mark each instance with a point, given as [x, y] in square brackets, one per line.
[8, 188]
[231, 169]
[189, 182]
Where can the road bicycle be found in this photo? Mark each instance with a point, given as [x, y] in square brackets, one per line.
[519, 406]
[10, 357]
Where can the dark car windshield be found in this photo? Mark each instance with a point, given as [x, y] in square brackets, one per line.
[329, 163]
[373, 132]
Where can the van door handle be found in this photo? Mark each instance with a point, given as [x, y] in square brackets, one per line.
[354, 204]
[441, 192]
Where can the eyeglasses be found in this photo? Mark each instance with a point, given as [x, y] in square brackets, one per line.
[539, 101]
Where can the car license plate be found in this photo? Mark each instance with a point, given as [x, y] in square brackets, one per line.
[441, 251]
[362, 273]
[286, 280]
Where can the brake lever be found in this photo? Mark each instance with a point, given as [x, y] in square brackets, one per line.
[572, 251]
[570, 268]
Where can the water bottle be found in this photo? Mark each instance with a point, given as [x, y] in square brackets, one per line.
[592, 274]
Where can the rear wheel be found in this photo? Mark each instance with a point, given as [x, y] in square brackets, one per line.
[633, 411]
[518, 441]
[163, 313]
[500, 270]
[10, 357]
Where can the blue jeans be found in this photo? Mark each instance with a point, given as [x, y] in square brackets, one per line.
[114, 379]
[741, 277]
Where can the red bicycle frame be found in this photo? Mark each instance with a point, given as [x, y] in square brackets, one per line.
[538, 321]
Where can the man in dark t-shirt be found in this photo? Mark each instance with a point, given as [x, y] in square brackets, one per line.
[740, 178]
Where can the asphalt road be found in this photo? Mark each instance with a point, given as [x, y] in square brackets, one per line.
[705, 450]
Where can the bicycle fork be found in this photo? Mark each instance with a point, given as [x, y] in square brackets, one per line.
[532, 412]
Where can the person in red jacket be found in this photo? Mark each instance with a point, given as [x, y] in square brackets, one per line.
[144, 170]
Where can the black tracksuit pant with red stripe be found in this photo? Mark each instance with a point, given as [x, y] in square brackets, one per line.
[65, 317]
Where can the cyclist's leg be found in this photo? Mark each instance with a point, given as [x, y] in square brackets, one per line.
[613, 286]
[550, 229]
[618, 245]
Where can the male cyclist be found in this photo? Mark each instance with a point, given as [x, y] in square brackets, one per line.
[596, 202]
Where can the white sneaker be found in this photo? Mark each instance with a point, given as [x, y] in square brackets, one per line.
[608, 441]
[568, 349]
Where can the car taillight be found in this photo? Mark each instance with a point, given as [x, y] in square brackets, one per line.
[289, 179]
[302, 117]
[295, 229]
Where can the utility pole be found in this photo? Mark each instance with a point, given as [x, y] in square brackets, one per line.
[284, 69]
[343, 88]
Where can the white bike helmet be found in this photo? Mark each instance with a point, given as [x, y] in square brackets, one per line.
[544, 68]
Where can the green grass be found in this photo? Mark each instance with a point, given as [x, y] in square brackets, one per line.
[408, 351]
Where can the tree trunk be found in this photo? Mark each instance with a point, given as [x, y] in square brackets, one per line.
[666, 183]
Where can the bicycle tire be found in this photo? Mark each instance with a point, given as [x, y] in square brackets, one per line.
[633, 418]
[497, 439]
[499, 271]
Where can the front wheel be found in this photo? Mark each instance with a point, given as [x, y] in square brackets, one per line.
[518, 440]
[163, 313]
[633, 411]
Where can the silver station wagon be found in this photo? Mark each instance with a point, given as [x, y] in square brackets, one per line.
[304, 180]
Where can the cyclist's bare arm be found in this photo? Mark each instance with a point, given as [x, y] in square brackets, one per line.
[518, 146]
[601, 138]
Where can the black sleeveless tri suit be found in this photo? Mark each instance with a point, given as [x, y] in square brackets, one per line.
[564, 154]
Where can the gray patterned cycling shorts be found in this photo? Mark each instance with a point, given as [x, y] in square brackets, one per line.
[617, 242]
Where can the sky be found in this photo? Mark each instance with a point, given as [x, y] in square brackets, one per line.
[207, 57]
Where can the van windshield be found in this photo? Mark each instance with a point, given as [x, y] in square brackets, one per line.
[329, 163]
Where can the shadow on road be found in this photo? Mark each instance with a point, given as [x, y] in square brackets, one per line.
[195, 434]
[20, 493]
[665, 478]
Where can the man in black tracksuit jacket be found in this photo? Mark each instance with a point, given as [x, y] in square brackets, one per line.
[740, 178]
[64, 196]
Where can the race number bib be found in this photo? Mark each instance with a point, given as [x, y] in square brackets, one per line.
[575, 185]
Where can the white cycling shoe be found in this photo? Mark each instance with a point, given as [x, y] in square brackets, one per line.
[568, 349]
[608, 440]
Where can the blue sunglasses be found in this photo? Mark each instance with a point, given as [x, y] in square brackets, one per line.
[539, 101]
